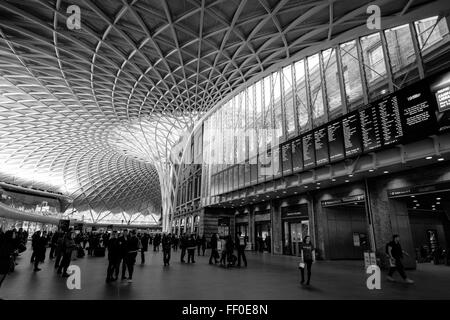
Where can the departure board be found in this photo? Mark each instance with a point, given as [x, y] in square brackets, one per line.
[286, 158]
[309, 160]
[336, 141]
[297, 155]
[321, 146]
[417, 111]
[389, 119]
[352, 134]
[370, 128]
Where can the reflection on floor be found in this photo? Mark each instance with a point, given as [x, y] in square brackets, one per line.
[267, 277]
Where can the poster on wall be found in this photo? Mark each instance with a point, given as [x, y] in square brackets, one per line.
[440, 88]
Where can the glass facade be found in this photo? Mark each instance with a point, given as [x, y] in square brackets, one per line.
[308, 93]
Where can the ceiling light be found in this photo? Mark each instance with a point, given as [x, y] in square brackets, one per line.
[438, 198]
[333, 179]
[413, 196]
[440, 159]
[318, 183]
[317, 187]
[428, 158]
[284, 191]
[347, 180]
[306, 187]
[350, 175]
[416, 200]
[371, 170]
[438, 202]
[385, 171]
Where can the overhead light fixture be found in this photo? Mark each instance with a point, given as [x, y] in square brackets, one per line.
[385, 171]
[438, 198]
[371, 170]
[333, 180]
[440, 159]
[350, 175]
[429, 158]
[416, 200]
[284, 191]
[347, 180]
[306, 187]
[438, 203]
[295, 192]
[413, 196]
[318, 183]
[317, 187]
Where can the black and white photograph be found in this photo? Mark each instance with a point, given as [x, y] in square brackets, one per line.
[224, 158]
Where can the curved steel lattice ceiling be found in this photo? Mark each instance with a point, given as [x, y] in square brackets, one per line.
[94, 112]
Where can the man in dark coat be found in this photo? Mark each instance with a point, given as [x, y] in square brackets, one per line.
[144, 242]
[39, 247]
[114, 257]
[166, 245]
[132, 248]
[7, 249]
[214, 252]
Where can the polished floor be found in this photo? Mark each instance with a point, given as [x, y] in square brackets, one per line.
[267, 277]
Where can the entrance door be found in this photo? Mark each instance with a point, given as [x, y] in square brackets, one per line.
[297, 231]
[262, 235]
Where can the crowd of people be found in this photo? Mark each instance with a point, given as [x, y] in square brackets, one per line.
[121, 248]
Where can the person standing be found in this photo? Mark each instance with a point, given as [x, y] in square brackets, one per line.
[198, 242]
[166, 246]
[7, 249]
[68, 246]
[59, 249]
[203, 242]
[307, 254]
[144, 242]
[183, 246]
[395, 253]
[40, 241]
[214, 252]
[191, 248]
[175, 241]
[132, 246]
[53, 243]
[114, 257]
[123, 239]
[241, 242]
[34, 239]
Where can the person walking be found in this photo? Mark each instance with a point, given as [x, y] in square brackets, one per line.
[203, 242]
[214, 252]
[191, 248]
[114, 257]
[7, 250]
[241, 243]
[34, 239]
[53, 243]
[68, 246]
[395, 254]
[39, 248]
[198, 242]
[132, 247]
[183, 246]
[123, 240]
[166, 246]
[307, 256]
[175, 242]
[144, 242]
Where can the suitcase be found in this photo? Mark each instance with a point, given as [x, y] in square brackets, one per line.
[99, 252]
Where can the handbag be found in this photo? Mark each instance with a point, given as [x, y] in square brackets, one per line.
[301, 265]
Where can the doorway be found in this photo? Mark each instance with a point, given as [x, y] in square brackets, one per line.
[294, 232]
[262, 236]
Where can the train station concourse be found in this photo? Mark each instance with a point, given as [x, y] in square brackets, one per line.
[224, 150]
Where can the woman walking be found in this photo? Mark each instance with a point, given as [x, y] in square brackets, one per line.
[307, 258]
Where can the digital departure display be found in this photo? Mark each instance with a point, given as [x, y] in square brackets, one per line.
[286, 158]
[297, 155]
[370, 128]
[352, 134]
[390, 121]
[309, 160]
[336, 141]
[440, 88]
[321, 146]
